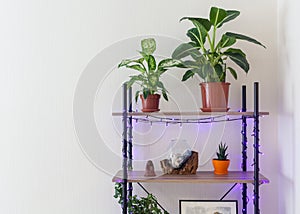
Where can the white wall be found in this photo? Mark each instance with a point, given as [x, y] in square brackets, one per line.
[45, 47]
[288, 103]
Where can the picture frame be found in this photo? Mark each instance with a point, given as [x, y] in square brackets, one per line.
[208, 207]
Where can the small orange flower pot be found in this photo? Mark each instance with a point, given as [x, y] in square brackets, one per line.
[221, 166]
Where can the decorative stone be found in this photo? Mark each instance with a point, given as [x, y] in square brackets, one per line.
[149, 172]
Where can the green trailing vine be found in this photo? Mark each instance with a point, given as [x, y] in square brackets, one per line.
[139, 205]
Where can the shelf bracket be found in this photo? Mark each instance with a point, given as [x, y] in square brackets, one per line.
[231, 188]
[146, 191]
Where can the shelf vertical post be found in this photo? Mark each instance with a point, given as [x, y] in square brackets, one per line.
[244, 148]
[124, 150]
[130, 167]
[256, 149]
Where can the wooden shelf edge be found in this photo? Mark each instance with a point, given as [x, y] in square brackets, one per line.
[199, 177]
[166, 113]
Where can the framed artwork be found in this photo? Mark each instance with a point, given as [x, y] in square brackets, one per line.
[208, 207]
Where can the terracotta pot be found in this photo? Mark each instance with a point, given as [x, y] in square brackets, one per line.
[221, 166]
[150, 104]
[214, 96]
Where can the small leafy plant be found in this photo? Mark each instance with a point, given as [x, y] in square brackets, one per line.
[150, 71]
[207, 56]
[139, 205]
[221, 153]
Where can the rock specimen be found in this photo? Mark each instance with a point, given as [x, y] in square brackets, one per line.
[189, 166]
[149, 172]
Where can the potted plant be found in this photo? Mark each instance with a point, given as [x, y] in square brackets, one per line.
[221, 163]
[207, 57]
[138, 205]
[149, 75]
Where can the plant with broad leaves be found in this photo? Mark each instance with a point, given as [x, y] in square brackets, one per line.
[207, 57]
[138, 205]
[221, 153]
[149, 70]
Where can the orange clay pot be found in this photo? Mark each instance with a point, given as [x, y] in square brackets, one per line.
[150, 104]
[221, 166]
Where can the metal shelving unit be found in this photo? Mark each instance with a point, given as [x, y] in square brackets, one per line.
[127, 176]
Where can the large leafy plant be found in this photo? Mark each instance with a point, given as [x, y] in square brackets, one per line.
[149, 70]
[207, 57]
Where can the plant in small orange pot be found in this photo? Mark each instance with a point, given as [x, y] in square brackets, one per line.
[221, 163]
[149, 75]
[207, 57]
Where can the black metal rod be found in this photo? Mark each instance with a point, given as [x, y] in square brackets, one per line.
[124, 150]
[231, 188]
[244, 148]
[256, 149]
[149, 194]
[244, 99]
[130, 186]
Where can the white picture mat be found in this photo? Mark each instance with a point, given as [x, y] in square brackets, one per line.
[208, 207]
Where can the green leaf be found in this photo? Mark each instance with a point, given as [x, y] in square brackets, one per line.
[216, 16]
[144, 55]
[230, 15]
[187, 75]
[135, 78]
[226, 41]
[146, 92]
[168, 63]
[191, 64]
[140, 60]
[153, 80]
[200, 67]
[202, 71]
[184, 50]
[163, 89]
[151, 63]
[233, 72]
[202, 32]
[124, 62]
[137, 93]
[243, 37]
[220, 73]
[164, 93]
[131, 82]
[136, 67]
[239, 58]
[206, 69]
[235, 50]
[160, 85]
[127, 62]
[148, 46]
[200, 21]
[198, 39]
